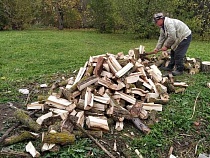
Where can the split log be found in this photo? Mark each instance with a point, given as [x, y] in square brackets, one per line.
[35, 106]
[152, 106]
[43, 117]
[116, 111]
[19, 138]
[138, 111]
[27, 120]
[124, 70]
[88, 99]
[115, 63]
[97, 122]
[126, 97]
[87, 82]
[99, 66]
[59, 103]
[62, 138]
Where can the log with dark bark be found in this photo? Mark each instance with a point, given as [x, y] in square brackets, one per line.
[140, 125]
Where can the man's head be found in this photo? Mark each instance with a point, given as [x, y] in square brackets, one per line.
[158, 19]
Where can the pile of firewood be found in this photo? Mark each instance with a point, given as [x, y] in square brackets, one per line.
[108, 89]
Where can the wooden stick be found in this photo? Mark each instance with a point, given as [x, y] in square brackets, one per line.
[195, 105]
[91, 137]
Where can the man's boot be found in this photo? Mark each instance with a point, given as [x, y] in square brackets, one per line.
[176, 73]
[166, 68]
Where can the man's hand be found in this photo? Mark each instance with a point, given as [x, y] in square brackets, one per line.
[164, 48]
[156, 50]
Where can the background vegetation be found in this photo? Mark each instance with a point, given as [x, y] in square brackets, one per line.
[134, 16]
[30, 58]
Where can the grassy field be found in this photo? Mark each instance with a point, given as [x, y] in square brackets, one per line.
[41, 56]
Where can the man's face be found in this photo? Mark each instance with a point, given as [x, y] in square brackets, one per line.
[159, 23]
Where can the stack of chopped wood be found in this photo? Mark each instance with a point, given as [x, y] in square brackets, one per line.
[108, 89]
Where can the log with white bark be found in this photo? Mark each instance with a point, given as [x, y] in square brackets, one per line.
[152, 106]
[115, 63]
[124, 70]
[126, 97]
[59, 103]
[88, 99]
[81, 118]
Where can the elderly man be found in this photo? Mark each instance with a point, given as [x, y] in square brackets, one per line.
[174, 35]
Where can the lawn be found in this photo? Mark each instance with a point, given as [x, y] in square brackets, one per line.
[30, 58]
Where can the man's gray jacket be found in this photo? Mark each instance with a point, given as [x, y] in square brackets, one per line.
[174, 32]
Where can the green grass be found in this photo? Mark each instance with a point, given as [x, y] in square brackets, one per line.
[42, 56]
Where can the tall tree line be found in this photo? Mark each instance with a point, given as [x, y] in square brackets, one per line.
[133, 16]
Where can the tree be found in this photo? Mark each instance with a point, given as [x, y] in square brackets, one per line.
[102, 11]
[18, 13]
[58, 9]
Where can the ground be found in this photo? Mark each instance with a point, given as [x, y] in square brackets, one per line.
[184, 147]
